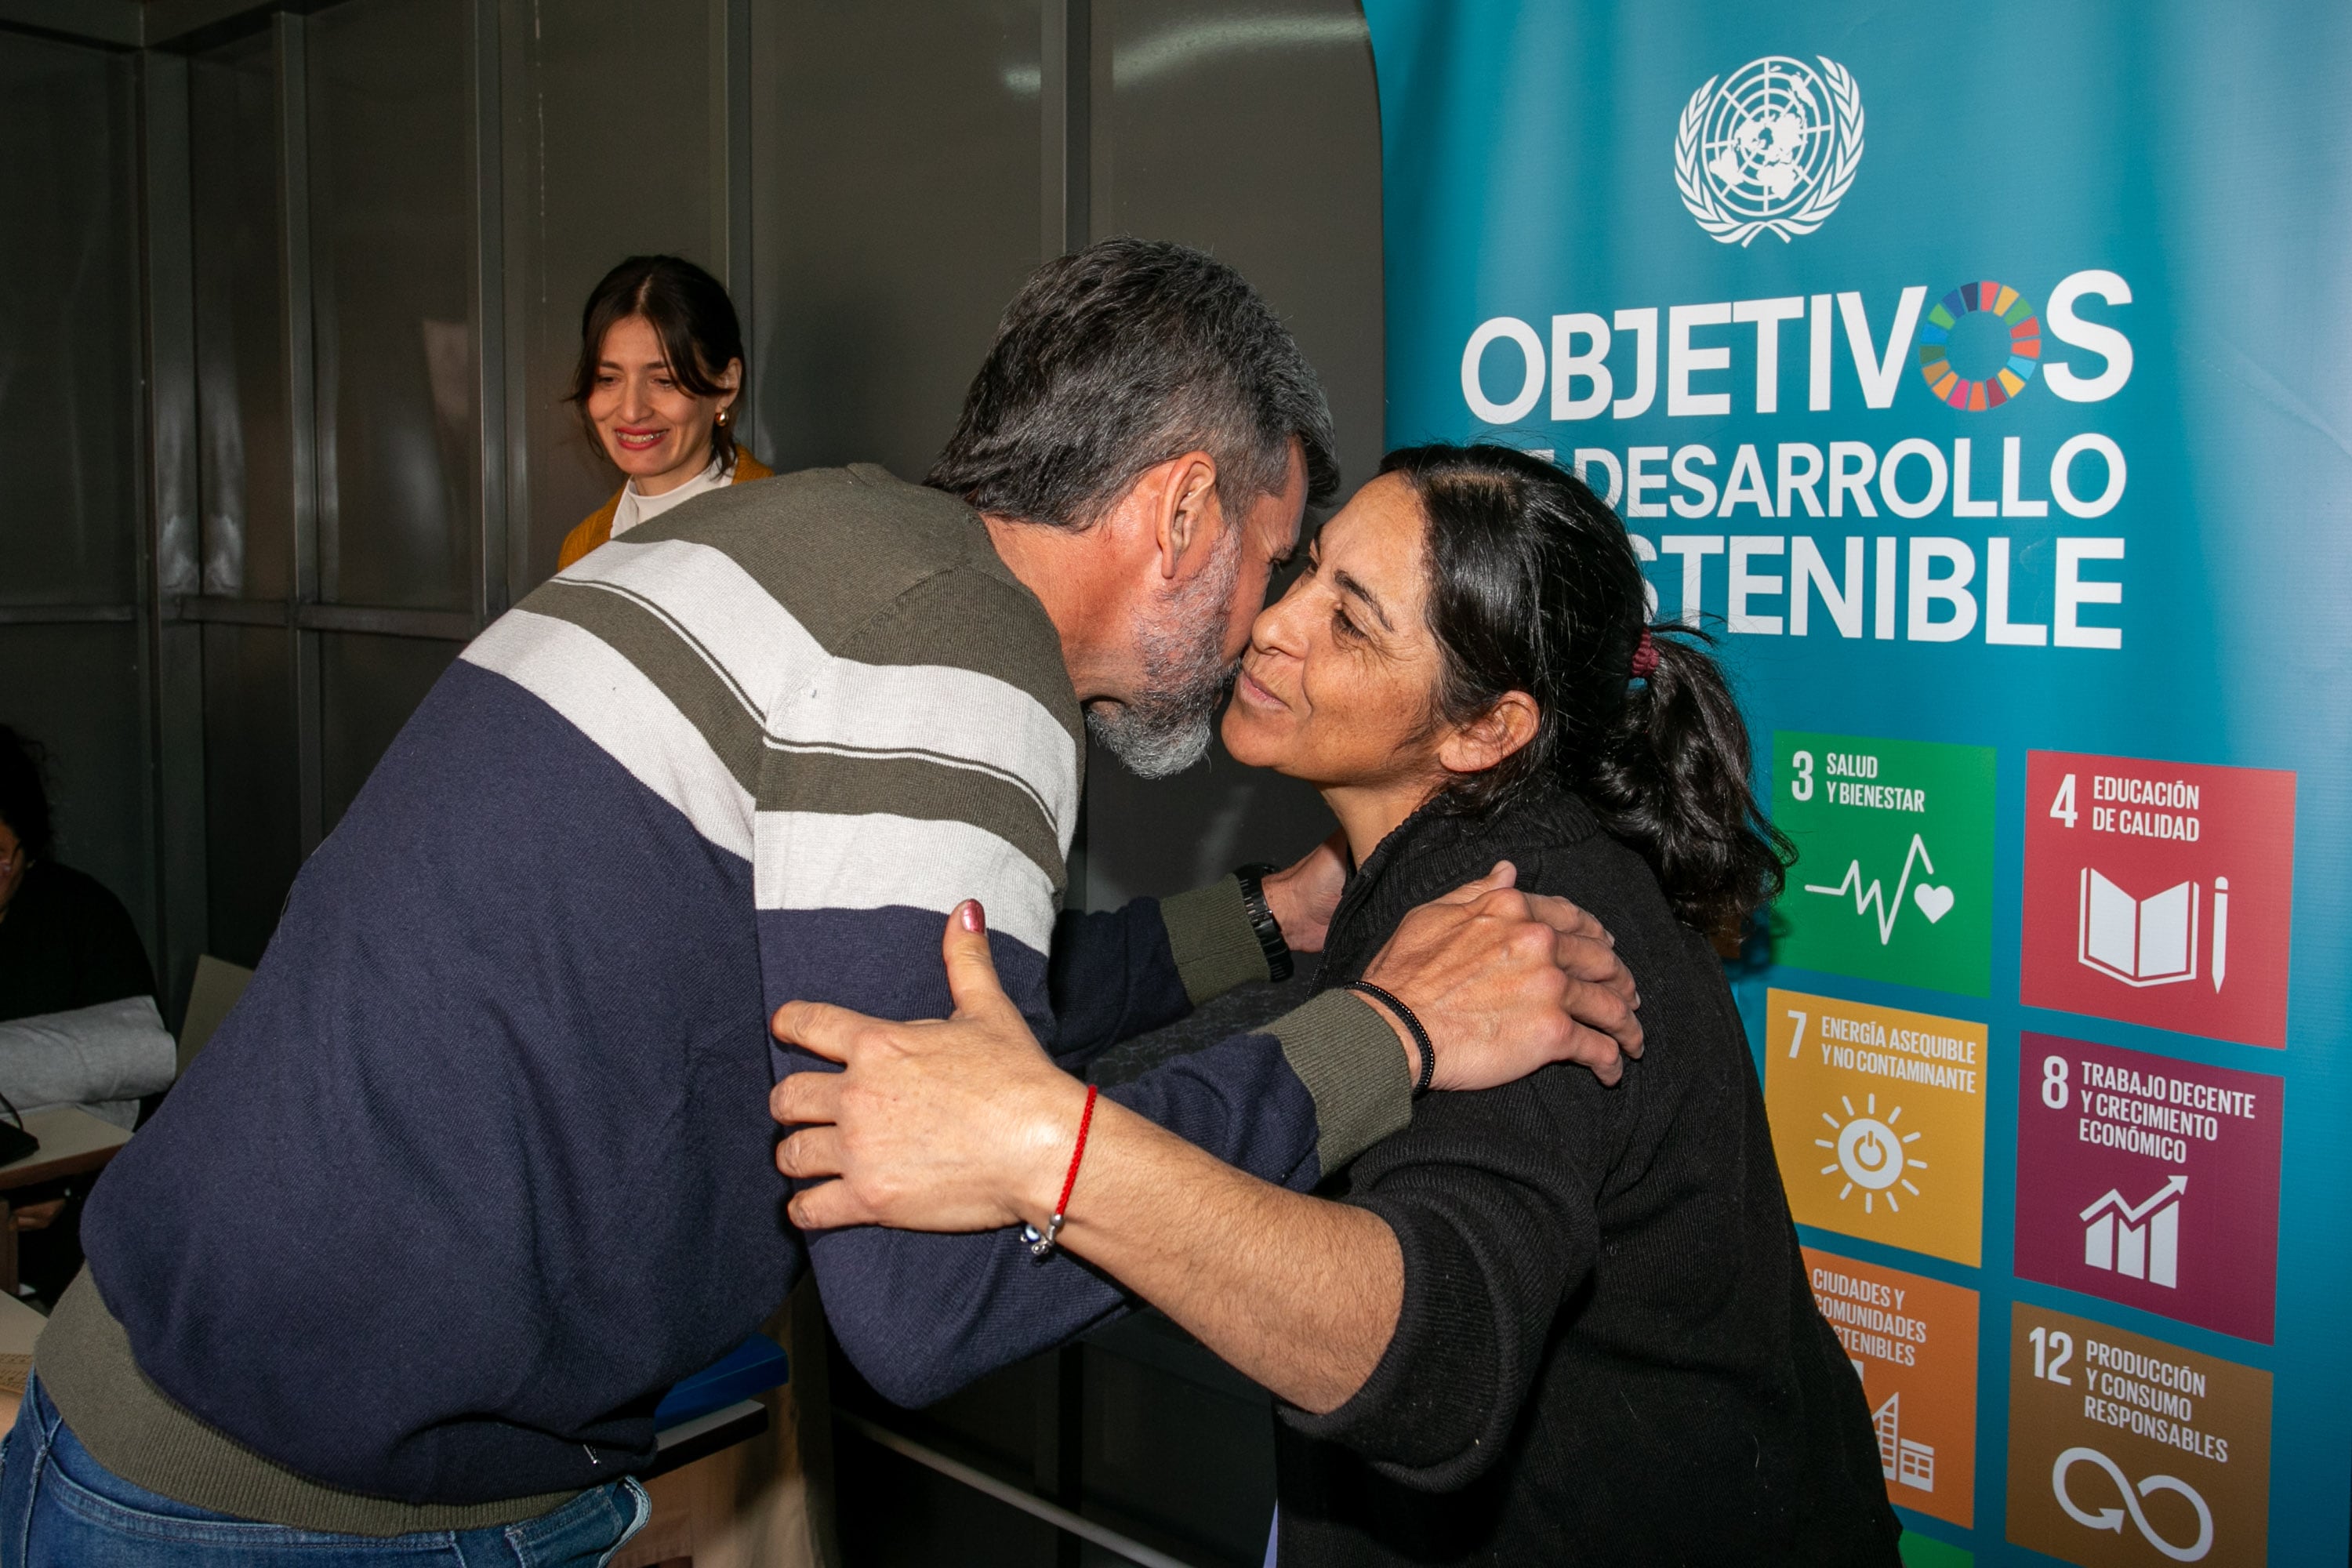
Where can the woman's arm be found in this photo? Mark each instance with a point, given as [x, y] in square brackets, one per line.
[1296, 1292]
[1407, 1323]
[924, 1314]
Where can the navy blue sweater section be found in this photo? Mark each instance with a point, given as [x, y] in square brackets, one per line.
[481, 1163]
[921, 1315]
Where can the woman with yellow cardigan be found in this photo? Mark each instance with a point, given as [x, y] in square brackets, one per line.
[661, 368]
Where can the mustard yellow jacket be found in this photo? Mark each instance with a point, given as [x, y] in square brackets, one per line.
[597, 526]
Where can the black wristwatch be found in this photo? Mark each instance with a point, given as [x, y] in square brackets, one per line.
[1278, 965]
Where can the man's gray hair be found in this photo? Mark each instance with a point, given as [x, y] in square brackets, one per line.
[1119, 358]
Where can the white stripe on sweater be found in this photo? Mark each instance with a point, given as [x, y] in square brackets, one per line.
[611, 702]
[819, 861]
[805, 699]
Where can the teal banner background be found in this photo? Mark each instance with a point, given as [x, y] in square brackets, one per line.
[2202, 157]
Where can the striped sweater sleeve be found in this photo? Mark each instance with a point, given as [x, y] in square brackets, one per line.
[896, 785]
[899, 782]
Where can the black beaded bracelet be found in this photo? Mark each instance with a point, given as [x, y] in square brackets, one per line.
[1278, 963]
[1412, 1026]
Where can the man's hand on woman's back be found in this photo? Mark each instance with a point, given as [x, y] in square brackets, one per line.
[1506, 982]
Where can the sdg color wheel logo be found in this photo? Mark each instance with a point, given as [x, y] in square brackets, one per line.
[1772, 149]
[2023, 338]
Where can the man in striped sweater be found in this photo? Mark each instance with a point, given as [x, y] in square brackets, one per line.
[481, 1163]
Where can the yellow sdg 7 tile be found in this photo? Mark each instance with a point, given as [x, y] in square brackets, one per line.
[1878, 1121]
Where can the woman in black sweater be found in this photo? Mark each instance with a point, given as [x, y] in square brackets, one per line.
[1560, 1322]
[1606, 1350]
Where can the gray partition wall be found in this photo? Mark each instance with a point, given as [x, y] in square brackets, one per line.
[75, 658]
[292, 302]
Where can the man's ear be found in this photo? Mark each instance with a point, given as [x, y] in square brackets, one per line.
[1188, 513]
[1494, 735]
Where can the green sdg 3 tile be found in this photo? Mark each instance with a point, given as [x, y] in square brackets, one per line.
[1925, 1552]
[1894, 875]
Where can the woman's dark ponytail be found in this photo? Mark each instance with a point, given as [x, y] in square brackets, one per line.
[1535, 589]
[1672, 779]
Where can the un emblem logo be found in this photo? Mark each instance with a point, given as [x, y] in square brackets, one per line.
[1771, 149]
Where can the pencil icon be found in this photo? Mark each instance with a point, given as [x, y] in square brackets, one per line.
[2221, 929]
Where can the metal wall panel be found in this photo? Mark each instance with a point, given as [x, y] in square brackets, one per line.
[1254, 134]
[253, 842]
[172, 529]
[246, 480]
[895, 207]
[368, 685]
[615, 147]
[391, 236]
[895, 210]
[69, 436]
[73, 445]
[80, 691]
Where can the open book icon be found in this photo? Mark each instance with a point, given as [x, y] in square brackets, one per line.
[2140, 941]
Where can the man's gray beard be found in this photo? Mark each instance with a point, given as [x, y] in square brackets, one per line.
[1164, 728]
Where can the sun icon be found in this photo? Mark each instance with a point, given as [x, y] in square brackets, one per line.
[1870, 1153]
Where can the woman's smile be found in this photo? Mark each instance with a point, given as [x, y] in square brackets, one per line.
[1248, 689]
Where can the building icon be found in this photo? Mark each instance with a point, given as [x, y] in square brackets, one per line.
[2139, 1241]
[1901, 1458]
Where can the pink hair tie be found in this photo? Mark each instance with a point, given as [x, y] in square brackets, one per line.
[1646, 658]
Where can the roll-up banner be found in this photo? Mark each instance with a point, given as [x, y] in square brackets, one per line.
[1983, 377]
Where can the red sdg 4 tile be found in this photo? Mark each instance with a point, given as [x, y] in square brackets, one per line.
[2159, 893]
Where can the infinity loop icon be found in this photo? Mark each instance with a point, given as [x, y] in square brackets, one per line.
[2113, 1518]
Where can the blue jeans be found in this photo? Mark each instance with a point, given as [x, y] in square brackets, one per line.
[59, 1508]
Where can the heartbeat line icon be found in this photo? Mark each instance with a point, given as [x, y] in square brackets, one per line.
[1933, 901]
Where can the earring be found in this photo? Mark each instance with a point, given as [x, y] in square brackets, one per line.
[724, 415]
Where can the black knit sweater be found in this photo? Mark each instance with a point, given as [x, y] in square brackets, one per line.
[1608, 1352]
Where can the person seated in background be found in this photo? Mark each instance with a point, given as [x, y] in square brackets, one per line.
[1555, 1322]
[77, 1017]
[65, 940]
[660, 372]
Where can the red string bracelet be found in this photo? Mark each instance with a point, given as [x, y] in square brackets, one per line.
[1039, 1246]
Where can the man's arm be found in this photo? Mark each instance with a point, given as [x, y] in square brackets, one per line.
[1122, 973]
[1117, 973]
[923, 1314]
[1138, 1180]
[1479, 967]
[1432, 1290]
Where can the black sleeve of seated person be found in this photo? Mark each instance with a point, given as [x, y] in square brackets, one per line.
[1494, 1210]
